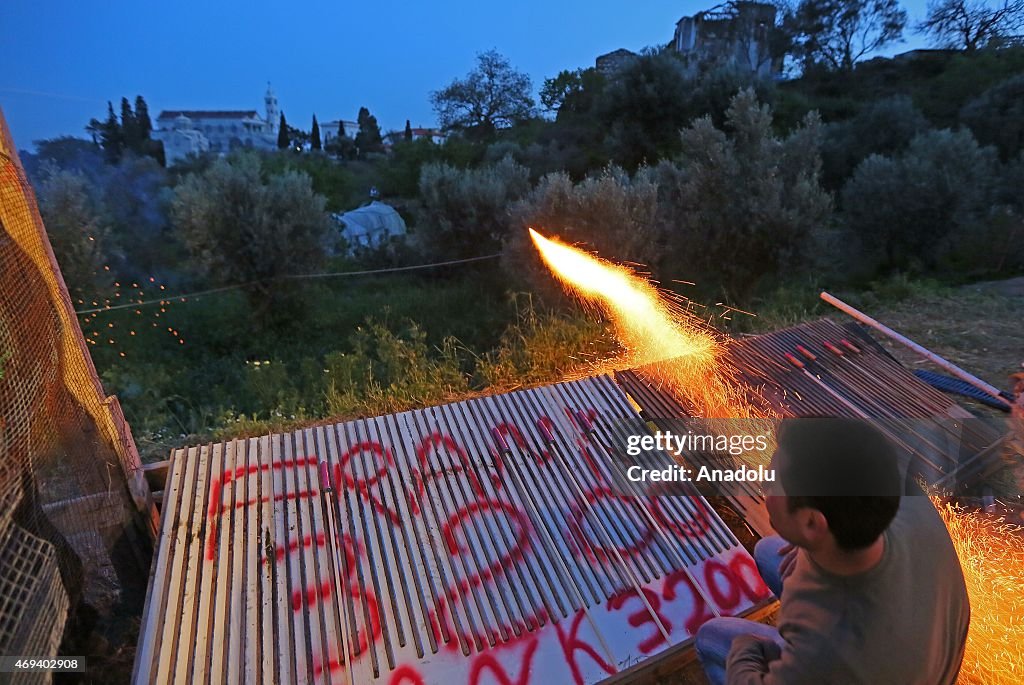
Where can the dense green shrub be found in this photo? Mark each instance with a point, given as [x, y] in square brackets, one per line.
[749, 202]
[334, 181]
[77, 228]
[883, 127]
[400, 176]
[903, 211]
[996, 117]
[963, 78]
[608, 211]
[241, 228]
[643, 107]
[737, 207]
[465, 210]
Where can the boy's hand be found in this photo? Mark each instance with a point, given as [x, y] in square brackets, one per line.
[788, 563]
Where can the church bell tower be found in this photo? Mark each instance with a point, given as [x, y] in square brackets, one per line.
[273, 114]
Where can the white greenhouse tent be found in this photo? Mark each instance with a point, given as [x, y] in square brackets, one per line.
[371, 225]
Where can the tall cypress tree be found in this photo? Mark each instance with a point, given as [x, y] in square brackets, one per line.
[341, 129]
[129, 129]
[368, 138]
[314, 136]
[282, 133]
[95, 130]
[111, 138]
[142, 121]
[408, 131]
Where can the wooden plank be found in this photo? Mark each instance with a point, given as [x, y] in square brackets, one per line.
[549, 587]
[238, 588]
[362, 595]
[156, 474]
[296, 592]
[334, 658]
[190, 600]
[541, 495]
[469, 454]
[372, 538]
[403, 497]
[402, 565]
[416, 431]
[306, 495]
[614, 419]
[153, 615]
[439, 499]
[177, 570]
[317, 557]
[224, 584]
[391, 532]
[357, 671]
[615, 525]
[252, 569]
[284, 650]
[473, 554]
[267, 532]
[206, 588]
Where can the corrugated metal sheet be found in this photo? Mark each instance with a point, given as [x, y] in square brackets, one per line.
[481, 541]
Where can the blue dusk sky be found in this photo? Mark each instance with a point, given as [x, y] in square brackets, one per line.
[61, 60]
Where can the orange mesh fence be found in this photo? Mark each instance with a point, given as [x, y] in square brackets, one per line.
[76, 517]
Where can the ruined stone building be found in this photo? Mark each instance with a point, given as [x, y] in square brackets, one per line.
[734, 33]
[613, 62]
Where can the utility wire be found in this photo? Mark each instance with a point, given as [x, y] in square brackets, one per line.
[294, 277]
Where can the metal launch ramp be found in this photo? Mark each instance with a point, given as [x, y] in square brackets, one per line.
[823, 368]
[482, 541]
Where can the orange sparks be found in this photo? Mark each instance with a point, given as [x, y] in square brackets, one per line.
[992, 557]
[675, 345]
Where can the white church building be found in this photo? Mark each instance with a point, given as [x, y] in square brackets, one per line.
[185, 132]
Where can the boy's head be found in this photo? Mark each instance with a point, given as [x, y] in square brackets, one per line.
[836, 479]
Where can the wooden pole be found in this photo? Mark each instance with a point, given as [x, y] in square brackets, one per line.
[924, 352]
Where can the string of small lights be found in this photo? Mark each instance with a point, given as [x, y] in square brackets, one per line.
[135, 297]
[335, 274]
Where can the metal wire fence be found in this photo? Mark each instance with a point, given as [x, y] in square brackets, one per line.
[76, 516]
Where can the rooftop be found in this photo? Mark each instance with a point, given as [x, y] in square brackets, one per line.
[208, 113]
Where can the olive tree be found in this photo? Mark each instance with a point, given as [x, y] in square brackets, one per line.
[747, 202]
[492, 96]
[243, 229]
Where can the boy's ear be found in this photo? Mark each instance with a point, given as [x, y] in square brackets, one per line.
[815, 524]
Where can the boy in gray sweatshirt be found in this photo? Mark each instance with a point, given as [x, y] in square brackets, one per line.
[871, 588]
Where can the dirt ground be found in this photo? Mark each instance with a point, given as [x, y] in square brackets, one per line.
[979, 328]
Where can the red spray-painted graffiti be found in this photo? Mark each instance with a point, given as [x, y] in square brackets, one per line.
[475, 533]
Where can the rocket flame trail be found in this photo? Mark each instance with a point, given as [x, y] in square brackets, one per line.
[684, 353]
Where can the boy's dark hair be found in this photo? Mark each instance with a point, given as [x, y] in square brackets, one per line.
[844, 468]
